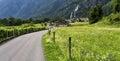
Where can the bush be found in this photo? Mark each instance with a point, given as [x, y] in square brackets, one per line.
[114, 18]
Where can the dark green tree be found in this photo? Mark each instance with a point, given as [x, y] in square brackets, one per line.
[18, 22]
[46, 19]
[56, 19]
[116, 6]
[11, 21]
[4, 21]
[95, 14]
[30, 20]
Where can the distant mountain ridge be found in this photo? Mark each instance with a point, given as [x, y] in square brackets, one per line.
[46, 8]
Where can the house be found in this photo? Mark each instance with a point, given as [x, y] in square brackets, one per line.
[84, 19]
[78, 20]
[50, 23]
[62, 23]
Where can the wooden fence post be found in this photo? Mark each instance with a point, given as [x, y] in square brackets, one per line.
[49, 31]
[70, 56]
[7, 34]
[13, 32]
[53, 36]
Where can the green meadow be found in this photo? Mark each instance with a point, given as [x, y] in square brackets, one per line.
[89, 43]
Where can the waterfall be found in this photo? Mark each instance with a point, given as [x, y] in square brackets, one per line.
[71, 15]
[76, 9]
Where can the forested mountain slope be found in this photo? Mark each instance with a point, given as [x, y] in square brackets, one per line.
[47, 8]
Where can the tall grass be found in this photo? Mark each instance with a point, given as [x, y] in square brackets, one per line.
[7, 32]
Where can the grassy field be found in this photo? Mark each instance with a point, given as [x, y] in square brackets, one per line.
[89, 43]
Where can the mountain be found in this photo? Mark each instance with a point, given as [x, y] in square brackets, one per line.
[107, 9]
[83, 7]
[47, 8]
[20, 8]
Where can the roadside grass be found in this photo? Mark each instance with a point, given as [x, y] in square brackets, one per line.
[89, 43]
[9, 32]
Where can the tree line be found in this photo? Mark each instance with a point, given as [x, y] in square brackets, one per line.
[11, 21]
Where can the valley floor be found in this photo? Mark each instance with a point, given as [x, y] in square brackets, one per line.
[89, 43]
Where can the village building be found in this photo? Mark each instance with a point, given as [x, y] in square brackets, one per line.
[62, 23]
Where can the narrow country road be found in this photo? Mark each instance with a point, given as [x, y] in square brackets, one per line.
[24, 48]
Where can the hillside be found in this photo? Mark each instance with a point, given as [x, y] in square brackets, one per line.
[83, 7]
[20, 8]
[47, 8]
[112, 20]
[107, 9]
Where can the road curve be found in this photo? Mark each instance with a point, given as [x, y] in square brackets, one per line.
[27, 47]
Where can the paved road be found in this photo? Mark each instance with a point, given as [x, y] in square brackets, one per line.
[24, 48]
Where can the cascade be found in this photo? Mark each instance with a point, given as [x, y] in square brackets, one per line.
[76, 9]
[73, 13]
